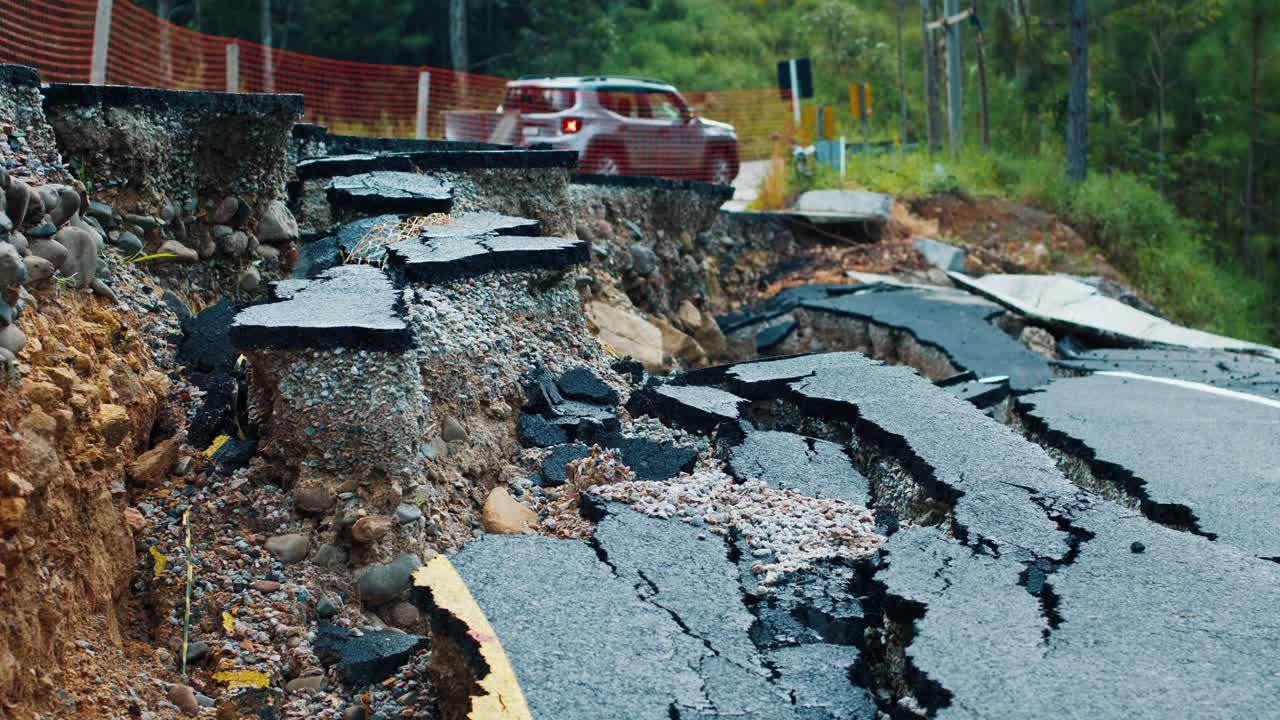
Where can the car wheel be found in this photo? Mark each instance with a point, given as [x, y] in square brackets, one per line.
[720, 169]
[605, 162]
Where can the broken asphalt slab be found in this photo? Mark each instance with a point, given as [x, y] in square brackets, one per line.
[431, 160]
[1028, 594]
[368, 658]
[351, 306]
[955, 323]
[815, 468]
[443, 259]
[689, 406]
[390, 191]
[484, 222]
[658, 629]
[1238, 371]
[1068, 303]
[1191, 458]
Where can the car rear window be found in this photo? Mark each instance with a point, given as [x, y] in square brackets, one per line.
[534, 99]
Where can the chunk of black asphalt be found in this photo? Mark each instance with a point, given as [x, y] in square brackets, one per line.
[540, 390]
[317, 256]
[982, 395]
[214, 416]
[582, 384]
[234, 453]
[774, 334]
[206, 345]
[552, 472]
[583, 421]
[653, 182]
[484, 222]
[781, 304]
[690, 406]
[614, 655]
[537, 431]
[391, 191]
[786, 461]
[368, 659]
[352, 306]
[822, 604]
[1192, 457]
[1242, 372]
[443, 259]
[694, 581]
[650, 459]
[981, 469]
[956, 323]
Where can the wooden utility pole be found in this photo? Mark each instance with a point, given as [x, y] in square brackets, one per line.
[1078, 101]
[982, 81]
[1249, 180]
[931, 80]
[902, 80]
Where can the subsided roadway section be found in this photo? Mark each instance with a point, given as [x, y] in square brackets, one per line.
[1027, 596]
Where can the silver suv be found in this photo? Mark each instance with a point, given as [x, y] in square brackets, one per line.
[616, 124]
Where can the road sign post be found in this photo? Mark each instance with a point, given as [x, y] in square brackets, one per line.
[795, 75]
[424, 95]
[101, 39]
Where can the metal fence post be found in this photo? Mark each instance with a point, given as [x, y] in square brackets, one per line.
[424, 96]
[101, 38]
[233, 68]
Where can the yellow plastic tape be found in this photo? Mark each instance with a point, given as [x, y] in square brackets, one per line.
[243, 678]
[161, 562]
[217, 443]
[502, 698]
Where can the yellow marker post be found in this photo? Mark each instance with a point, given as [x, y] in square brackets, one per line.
[502, 698]
[186, 617]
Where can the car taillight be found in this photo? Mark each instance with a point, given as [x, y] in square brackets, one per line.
[569, 126]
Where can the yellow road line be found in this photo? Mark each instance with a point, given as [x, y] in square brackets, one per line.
[502, 698]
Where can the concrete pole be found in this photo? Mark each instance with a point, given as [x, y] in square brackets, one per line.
[101, 38]
[955, 95]
[424, 96]
[233, 68]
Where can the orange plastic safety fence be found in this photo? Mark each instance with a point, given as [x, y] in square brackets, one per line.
[56, 36]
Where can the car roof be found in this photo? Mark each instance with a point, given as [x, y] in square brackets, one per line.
[591, 81]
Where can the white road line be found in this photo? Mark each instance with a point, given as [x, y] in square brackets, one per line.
[1194, 386]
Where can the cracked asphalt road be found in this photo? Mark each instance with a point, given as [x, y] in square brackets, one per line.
[1003, 590]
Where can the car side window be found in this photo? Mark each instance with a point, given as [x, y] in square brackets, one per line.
[626, 103]
[667, 106]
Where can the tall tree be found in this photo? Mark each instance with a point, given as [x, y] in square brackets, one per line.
[984, 119]
[931, 80]
[268, 68]
[458, 34]
[902, 78]
[1078, 100]
[1166, 22]
[1255, 37]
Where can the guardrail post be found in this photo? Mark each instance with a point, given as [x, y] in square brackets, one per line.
[424, 96]
[101, 38]
[233, 68]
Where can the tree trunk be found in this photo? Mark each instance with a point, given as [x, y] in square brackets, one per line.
[931, 81]
[982, 83]
[1078, 101]
[1158, 71]
[268, 68]
[458, 46]
[902, 78]
[163, 10]
[1249, 180]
